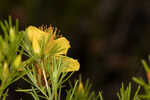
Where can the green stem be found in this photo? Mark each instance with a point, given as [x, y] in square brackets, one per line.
[145, 66]
[45, 80]
[55, 89]
[55, 93]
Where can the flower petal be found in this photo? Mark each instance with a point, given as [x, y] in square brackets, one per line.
[36, 46]
[70, 64]
[35, 35]
[63, 45]
[34, 32]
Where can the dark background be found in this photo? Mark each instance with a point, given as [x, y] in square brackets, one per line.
[108, 37]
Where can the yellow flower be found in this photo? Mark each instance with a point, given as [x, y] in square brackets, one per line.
[54, 46]
[35, 35]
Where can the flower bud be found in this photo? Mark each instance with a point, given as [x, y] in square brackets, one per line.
[17, 62]
[81, 88]
[12, 34]
[5, 73]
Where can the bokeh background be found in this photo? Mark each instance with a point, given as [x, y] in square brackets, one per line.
[108, 37]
